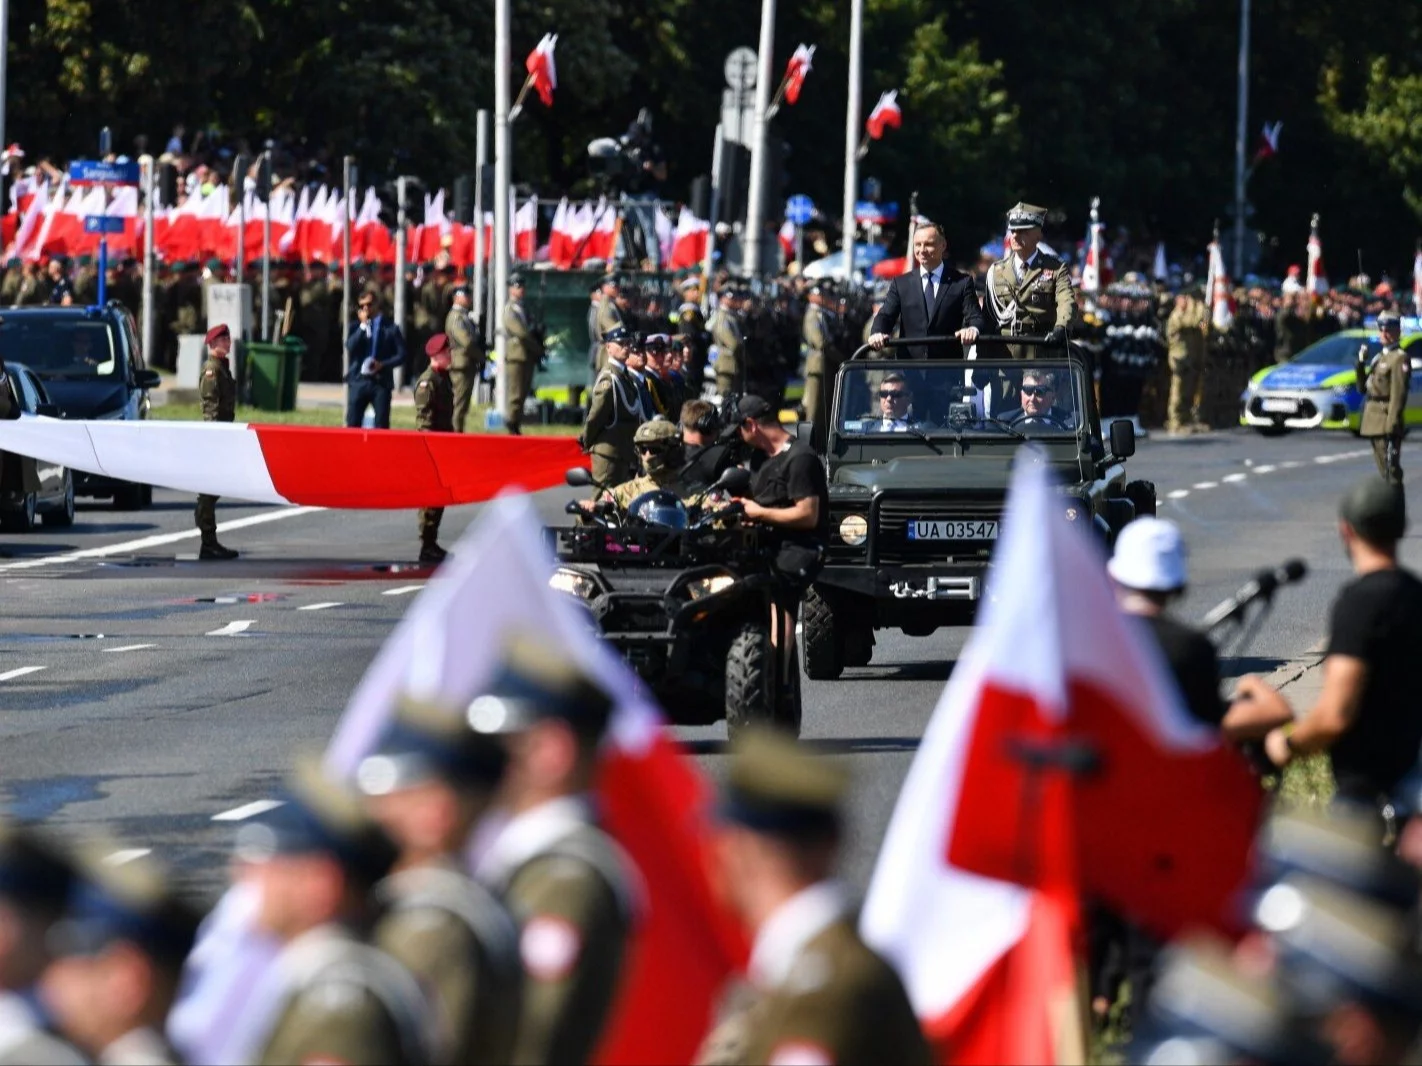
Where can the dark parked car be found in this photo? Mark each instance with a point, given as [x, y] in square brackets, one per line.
[29, 488]
[91, 364]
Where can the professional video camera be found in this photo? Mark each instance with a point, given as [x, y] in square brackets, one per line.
[624, 163]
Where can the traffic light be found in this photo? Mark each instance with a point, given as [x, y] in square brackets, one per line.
[463, 198]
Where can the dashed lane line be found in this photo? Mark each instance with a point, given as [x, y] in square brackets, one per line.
[1262, 468]
[1267, 468]
[1202, 485]
[319, 606]
[1231, 479]
[1177, 494]
[129, 647]
[247, 810]
[125, 855]
[232, 629]
[21, 671]
[158, 540]
[403, 590]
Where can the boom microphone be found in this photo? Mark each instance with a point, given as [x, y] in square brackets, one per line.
[1261, 586]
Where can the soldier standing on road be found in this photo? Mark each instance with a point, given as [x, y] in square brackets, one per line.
[429, 782]
[564, 880]
[729, 339]
[466, 356]
[609, 317]
[524, 352]
[1185, 332]
[1385, 384]
[218, 391]
[434, 413]
[614, 414]
[819, 330]
[1029, 291]
[817, 992]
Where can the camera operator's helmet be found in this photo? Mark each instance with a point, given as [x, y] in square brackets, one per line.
[659, 508]
[659, 445]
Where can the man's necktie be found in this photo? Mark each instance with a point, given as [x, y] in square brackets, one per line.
[928, 293]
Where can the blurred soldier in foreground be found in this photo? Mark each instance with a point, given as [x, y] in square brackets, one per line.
[314, 861]
[523, 354]
[614, 413]
[429, 783]
[817, 992]
[34, 884]
[466, 356]
[434, 413]
[565, 880]
[121, 948]
[218, 390]
[1385, 383]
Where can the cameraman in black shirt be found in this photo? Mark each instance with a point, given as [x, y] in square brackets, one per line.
[1366, 717]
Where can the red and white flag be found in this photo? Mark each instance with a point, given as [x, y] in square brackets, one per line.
[1218, 290]
[795, 72]
[1091, 268]
[525, 232]
[1316, 284]
[603, 242]
[541, 70]
[886, 113]
[1417, 282]
[689, 243]
[786, 237]
[560, 249]
[1268, 141]
[1056, 734]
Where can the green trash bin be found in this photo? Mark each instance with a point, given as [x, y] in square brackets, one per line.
[273, 372]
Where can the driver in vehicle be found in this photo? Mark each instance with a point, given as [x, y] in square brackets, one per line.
[896, 413]
[659, 447]
[1038, 394]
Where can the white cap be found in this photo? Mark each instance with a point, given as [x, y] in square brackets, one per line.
[1149, 556]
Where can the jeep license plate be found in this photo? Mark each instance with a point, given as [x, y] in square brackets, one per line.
[1280, 406]
[927, 529]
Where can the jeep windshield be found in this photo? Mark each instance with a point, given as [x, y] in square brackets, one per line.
[59, 347]
[1010, 399]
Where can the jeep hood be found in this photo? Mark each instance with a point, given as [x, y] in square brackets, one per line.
[942, 474]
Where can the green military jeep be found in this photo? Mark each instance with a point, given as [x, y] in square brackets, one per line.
[919, 456]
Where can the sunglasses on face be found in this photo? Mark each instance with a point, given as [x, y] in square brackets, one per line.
[895, 394]
[1036, 390]
[650, 449]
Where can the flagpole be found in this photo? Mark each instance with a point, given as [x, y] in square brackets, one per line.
[481, 159]
[517, 108]
[755, 202]
[714, 211]
[348, 184]
[1242, 120]
[500, 257]
[851, 130]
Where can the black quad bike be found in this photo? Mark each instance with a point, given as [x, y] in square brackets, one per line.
[686, 595]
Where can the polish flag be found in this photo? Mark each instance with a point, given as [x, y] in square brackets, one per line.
[525, 232]
[786, 237]
[541, 70]
[581, 222]
[313, 237]
[65, 235]
[375, 243]
[795, 72]
[1091, 269]
[603, 242]
[29, 226]
[124, 205]
[429, 238]
[560, 250]
[328, 236]
[886, 113]
[1218, 289]
[1268, 141]
[689, 244]
[1059, 727]
[300, 218]
[1316, 284]
[666, 236]
[35, 249]
[1417, 282]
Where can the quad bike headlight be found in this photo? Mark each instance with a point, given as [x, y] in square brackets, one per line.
[573, 583]
[709, 586]
[854, 530]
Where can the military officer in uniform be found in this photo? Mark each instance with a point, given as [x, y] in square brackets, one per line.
[124, 927]
[434, 413]
[524, 351]
[817, 993]
[820, 332]
[1385, 384]
[614, 413]
[608, 318]
[313, 863]
[691, 328]
[1028, 291]
[428, 783]
[729, 339]
[1186, 331]
[466, 355]
[217, 389]
[565, 880]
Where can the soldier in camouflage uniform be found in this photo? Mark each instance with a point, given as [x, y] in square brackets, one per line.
[614, 413]
[34, 287]
[564, 880]
[466, 353]
[10, 286]
[523, 348]
[1186, 331]
[434, 413]
[218, 390]
[429, 782]
[729, 339]
[662, 454]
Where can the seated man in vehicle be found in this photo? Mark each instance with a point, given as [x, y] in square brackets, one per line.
[1038, 395]
[660, 450]
[895, 413]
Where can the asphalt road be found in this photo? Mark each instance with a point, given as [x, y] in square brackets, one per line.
[157, 698]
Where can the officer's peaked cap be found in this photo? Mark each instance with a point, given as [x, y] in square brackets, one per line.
[122, 897]
[1026, 216]
[617, 335]
[534, 682]
[426, 741]
[777, 787]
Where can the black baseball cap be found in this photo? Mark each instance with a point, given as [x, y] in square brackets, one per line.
[752, 407]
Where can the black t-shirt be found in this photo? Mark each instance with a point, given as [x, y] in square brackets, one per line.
[1196, 667]
[1378, 618]
[794, 474]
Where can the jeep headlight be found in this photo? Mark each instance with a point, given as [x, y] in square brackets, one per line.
[709, 586]
[573, 583]
[854, 530]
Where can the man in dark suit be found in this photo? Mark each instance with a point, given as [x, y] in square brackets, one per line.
[377, 347]
[932, 300]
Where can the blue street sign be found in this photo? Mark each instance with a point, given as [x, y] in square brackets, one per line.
[799, 209]
[103, 224]
[94, 172]
[869, 211]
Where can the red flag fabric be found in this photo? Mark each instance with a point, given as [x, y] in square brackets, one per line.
[541, 69]
[1316, 284]
[786, 237]
[796, 71]
[886, 113]
[525, 232]
[690, 240]
[1268, 141]
[1218, 290]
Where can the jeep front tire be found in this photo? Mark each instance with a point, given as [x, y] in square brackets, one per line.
[820, 637]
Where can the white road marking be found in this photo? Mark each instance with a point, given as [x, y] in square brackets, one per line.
[10, 675]
[318, 606]
[402, 590]
[1205, 485]
[159, 539]
[1177, 494]
[231, 629]
[118, 858]
[247, 810]
[1230, 479]
[130, 647]
[1267, 468]
[1292, 464]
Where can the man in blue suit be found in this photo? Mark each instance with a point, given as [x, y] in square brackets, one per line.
[376, 347]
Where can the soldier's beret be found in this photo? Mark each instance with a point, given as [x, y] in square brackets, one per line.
[618, 335]
[1026, 216]
[437, 345]
[776, 787]
[655, 431]
[117, 897]
[1376, 510]
[1389, 320]
[425, 742]
[535, 683]
[32, 870]
[216, 333]
[1342, 845]
[319, 816]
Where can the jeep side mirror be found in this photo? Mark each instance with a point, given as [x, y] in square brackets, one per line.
[1123, 439]
[147, 379]
[579, 477]
[735, 481]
